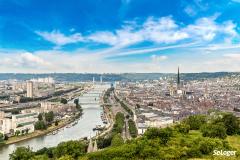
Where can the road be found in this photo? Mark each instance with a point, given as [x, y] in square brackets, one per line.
[116, 107]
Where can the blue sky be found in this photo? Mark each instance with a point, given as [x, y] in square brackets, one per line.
[115, 36]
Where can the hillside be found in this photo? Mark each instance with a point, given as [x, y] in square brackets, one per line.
[196, 137]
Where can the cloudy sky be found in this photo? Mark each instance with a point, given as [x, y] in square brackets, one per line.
[116, 36]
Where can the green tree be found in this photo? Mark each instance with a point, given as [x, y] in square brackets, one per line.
[40, 125]
[22, 153]
[119, 123]
[164, 134]
[117, 140]
[17, 132]
[40, 117]
[6, 137]
[63, 101]
[103, 142]
[196, 121]
[214, 130]
[40, 157]
[132, 128]
[182, 128]
[231, 123]
[73, 148]
[1, 137]
[66, 157]
[49, 116]
[76, 101]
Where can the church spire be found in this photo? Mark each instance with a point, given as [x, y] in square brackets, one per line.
[178, 79]
[90, 146]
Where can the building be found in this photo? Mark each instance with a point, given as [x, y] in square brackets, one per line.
[48, 80]
[101, 79]
[57, 107]
[92, 147]
[23, 122]
[30, 89]
[178, 79]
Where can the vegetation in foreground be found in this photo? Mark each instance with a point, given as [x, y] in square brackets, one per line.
[195, 137]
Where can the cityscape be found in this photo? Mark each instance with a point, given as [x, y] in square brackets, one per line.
[119, 80]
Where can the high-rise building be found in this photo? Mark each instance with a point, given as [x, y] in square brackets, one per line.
[100, 79]
[93, 80]
[29, 89]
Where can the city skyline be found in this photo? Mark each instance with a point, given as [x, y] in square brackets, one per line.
[119, 36]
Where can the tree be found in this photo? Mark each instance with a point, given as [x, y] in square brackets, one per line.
[103, 142]
[22, 153]
[73, 148]
[78, 106]
[40, 117]
[5, 137]
[231, 123]
[15, 111]
[117, 140]
[214, 130]
[63, 101]
[196, 121]
[132, 128]
[49, 116]
[164, 134]
[119, 123]
[17, 132]
[56, 123]
[40, 125]
[1, 137]
[76, 101]
[66, 157]
[27, 130]
[182, 128]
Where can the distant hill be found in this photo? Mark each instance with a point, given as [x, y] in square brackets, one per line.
[73, 77]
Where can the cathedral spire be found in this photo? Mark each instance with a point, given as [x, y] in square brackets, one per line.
[178, 79]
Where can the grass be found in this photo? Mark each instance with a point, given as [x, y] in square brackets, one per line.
[234, 141]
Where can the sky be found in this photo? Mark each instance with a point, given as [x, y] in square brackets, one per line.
[119, 36]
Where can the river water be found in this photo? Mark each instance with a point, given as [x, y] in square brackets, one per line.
[90, 118]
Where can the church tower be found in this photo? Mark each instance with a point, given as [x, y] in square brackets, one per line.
[178, 79]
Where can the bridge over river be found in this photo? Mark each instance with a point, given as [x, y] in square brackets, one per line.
[91, 117]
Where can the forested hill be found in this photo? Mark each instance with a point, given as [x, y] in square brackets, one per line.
[73, 77]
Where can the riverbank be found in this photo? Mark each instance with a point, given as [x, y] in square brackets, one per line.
[38, 133]
[110, 120]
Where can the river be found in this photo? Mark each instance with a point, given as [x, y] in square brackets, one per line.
[90, 118]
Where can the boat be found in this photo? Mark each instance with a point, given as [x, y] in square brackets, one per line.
[76, 122]
[98, 127]
[54, 132]
[68, 126]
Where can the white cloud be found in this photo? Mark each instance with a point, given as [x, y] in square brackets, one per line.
[32, 60]
[23, 61]
[163, 30]
[207, 29]
[158, 58]
[158, 30]
[59, 38]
